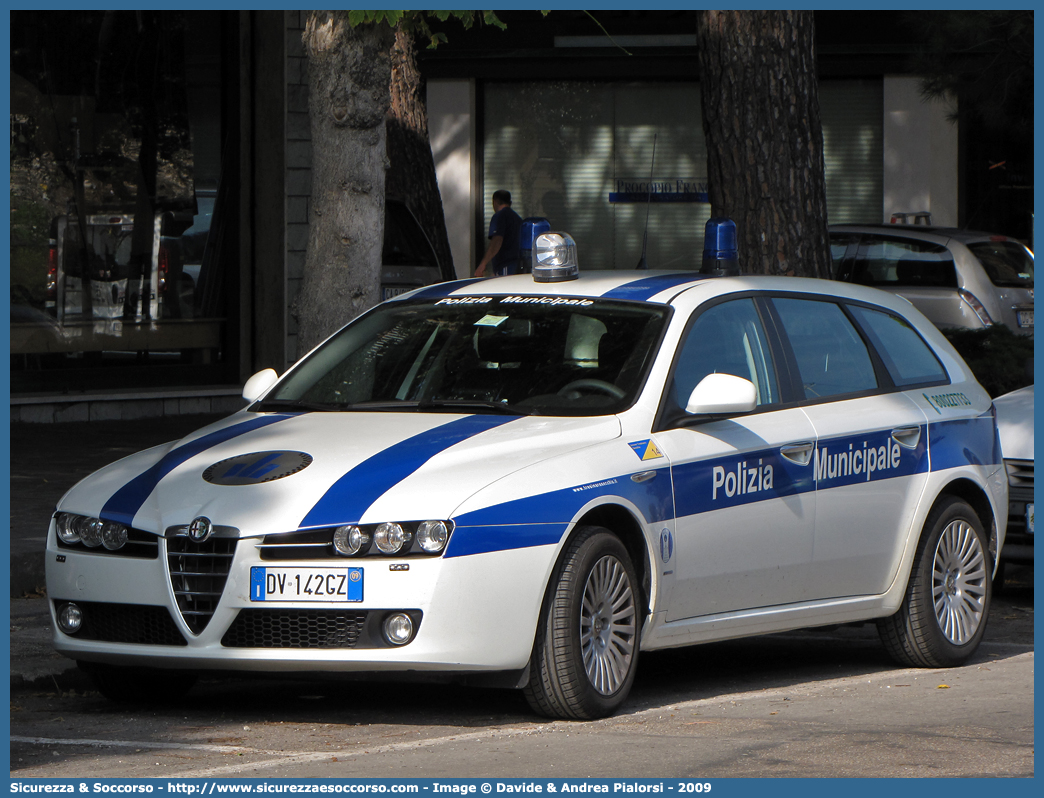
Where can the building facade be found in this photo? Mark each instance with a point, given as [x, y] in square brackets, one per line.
[601, 136]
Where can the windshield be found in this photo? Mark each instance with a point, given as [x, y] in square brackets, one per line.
[525, 355]
[1007, 263]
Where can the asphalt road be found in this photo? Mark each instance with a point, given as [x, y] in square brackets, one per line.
[811, 703]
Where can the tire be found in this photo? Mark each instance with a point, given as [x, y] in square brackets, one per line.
[146, 686]
[943, 616]
[584, 657]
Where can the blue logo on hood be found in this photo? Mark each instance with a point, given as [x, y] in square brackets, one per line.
[253, 469]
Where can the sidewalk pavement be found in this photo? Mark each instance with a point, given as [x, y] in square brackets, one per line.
[47, 460]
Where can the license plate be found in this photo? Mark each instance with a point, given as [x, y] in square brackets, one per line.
[306, 584]
[1025, 318]
[1029, 518]
[395, 290]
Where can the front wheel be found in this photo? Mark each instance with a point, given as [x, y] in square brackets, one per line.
[586, 649]
[943, 617]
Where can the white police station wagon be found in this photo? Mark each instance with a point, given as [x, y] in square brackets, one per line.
[528, 480]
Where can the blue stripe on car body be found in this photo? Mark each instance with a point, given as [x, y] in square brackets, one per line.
[845, 460]
[650, 286]
[123, 505]
[541, 519]
[964, 441]
[350, 497]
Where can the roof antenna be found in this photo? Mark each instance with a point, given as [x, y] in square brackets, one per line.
[648, 201]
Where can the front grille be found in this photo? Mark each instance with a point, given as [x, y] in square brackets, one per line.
[257, 628]
[1020, 473]
[198, 572]
[126, 623]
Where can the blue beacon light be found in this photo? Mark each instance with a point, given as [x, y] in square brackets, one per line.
[720, 255]
[532, 226]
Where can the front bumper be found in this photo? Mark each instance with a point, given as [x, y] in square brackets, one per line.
[1018, 542]
[476, 613]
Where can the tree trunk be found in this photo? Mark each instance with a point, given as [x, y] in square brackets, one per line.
[411, 175]
[348, 77]
[764, 137]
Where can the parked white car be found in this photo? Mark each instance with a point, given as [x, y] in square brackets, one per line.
[957, 278]
[528, 480]
[1015, 422]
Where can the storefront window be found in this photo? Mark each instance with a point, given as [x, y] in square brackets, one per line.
[582, 154]
[115, 202]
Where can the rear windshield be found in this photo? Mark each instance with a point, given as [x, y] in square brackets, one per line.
[1007, 263]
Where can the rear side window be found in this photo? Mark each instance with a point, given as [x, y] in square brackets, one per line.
[906, 356]
[831, 356]
[893, 262]
[1006, 262]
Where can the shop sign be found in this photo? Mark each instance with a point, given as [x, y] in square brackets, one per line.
[674, 189]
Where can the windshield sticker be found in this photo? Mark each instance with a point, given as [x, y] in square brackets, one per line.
[491, 321]
[646, 450]
[465, 300]
[545, 300]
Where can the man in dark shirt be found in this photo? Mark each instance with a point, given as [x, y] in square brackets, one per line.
[504, 228]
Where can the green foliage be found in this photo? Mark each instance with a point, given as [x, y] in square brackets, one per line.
[996, 356]
[416, 22]
[30, 225]
[983, 57]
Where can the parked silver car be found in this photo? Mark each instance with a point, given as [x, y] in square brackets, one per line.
[957, 278]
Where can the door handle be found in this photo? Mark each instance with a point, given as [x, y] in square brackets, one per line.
[800, 453]
[907, 437]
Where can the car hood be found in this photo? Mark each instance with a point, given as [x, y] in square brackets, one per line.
[1015, 423]
[268, 473]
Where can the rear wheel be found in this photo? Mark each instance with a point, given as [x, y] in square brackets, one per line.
[586, 650]
[943, 617]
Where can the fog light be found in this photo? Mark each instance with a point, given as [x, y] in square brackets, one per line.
[391, 538]
[91, 532]
[349, 540]
[70, 618]
[67, 528]
[432, 536]
[398, 629]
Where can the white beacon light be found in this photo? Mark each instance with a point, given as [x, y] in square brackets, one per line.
[554, 258]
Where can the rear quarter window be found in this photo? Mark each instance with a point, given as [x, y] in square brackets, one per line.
[907, 357]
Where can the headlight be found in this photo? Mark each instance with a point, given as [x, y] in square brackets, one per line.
[432, 536]
[68, 529]
[350, 540]
[91, 532]
[391, 538]
[113, 535]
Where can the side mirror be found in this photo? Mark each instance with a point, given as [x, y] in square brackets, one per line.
[259, 383]
[722, 394]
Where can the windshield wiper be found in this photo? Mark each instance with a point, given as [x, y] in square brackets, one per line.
[291, 405]
[475, 404]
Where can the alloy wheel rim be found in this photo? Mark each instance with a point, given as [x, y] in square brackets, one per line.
[959, 582]
[607, 625]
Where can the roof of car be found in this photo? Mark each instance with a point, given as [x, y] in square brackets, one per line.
[659, 287]
[914, 231]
